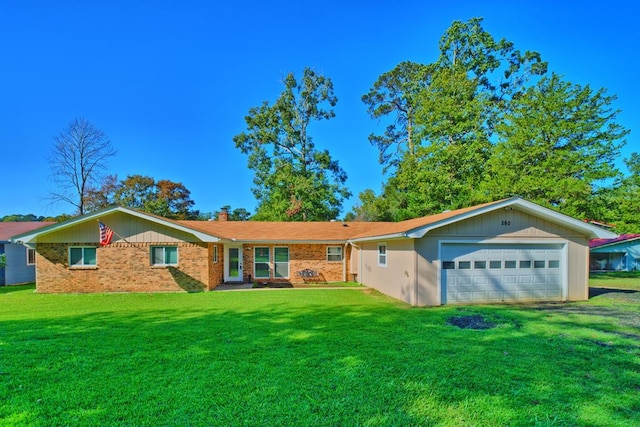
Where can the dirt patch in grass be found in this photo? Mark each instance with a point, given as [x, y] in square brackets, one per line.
[475, 321]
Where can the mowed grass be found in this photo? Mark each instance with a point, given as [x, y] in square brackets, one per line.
[617, 280]
[347, 357]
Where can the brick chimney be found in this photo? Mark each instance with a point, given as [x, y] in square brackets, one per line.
[223, 215]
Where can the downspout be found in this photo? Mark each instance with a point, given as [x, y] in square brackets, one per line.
[359, 261]
[344, 263]
[415, 273]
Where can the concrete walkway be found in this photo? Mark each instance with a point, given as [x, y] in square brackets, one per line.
[246, 286]
[233, 286]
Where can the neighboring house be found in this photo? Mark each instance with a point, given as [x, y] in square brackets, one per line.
[20, 260]
[618, 254]
[506, 251]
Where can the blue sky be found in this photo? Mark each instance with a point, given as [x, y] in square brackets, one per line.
[170, 82]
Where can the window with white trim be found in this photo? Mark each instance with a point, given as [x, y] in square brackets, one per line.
[261, 260]
[382, 254]
[281, 262]
[215, 253]
[31, 256]
[82, 256]
[164, 255]
[334, 253]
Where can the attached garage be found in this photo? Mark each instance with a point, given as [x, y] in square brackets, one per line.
[507, 251]
[489, 273]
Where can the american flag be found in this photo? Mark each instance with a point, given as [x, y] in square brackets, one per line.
[106, 234]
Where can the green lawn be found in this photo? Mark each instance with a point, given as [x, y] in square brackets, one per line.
[619, 280]
[341, 357]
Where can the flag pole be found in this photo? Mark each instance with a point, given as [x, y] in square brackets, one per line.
[121, 238]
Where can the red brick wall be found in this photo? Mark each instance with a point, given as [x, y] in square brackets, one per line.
[122, 267]
[216, 272]
[301, 257]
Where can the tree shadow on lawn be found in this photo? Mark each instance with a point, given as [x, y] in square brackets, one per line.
[595, 292]
[7, 289]
[374, 364]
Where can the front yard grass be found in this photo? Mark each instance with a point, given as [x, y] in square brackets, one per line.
[617, 280]
[314, 357]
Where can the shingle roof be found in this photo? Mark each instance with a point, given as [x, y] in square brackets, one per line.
[317, 231]
[255, 231]
[389, 228]
[10, 229]
[282, 231]
[596, 243]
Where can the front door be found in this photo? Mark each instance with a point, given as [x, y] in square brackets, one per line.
[233, 264]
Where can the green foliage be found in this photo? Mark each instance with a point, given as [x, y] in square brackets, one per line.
[558, 142]
[21, 218]
[293, 179]
[369, 208]
[619, 204]
[35, 218]
[3, 260]
[237, 214]
[164, 197]
[396, 93]
[313, 357]
[484, 122]
[499, 69]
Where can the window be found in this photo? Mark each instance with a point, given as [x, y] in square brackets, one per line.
[382, 254]
[495, 264]
[480, 265]
[554, 263]
[464, 265]
[334, 253]
[164, 255]
[215, 253]
[261, 260]
[31, 256]
[281, 262]
[448, 265]
[539, 264]
[525, 264]
[84, 256]
[509, 264]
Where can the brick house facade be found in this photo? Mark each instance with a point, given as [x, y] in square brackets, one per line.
[200, 249]
[505, 251]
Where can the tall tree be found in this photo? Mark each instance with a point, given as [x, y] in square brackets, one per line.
[164, 197]
[293, 179]
[444, 117]
[469, 55]
[442, 172]
[499, 68]
[395, 96]
[369, 208]
[78, 157]
[557, 145]
[619, 203]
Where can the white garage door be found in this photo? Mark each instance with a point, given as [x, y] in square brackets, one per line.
[473, 273]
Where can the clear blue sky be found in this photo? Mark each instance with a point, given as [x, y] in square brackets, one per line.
[171, 81]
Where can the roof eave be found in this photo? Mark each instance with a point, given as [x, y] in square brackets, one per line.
[31, 237]
[592, 231]
[620, 242]
[391, 236]
[287, 241]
